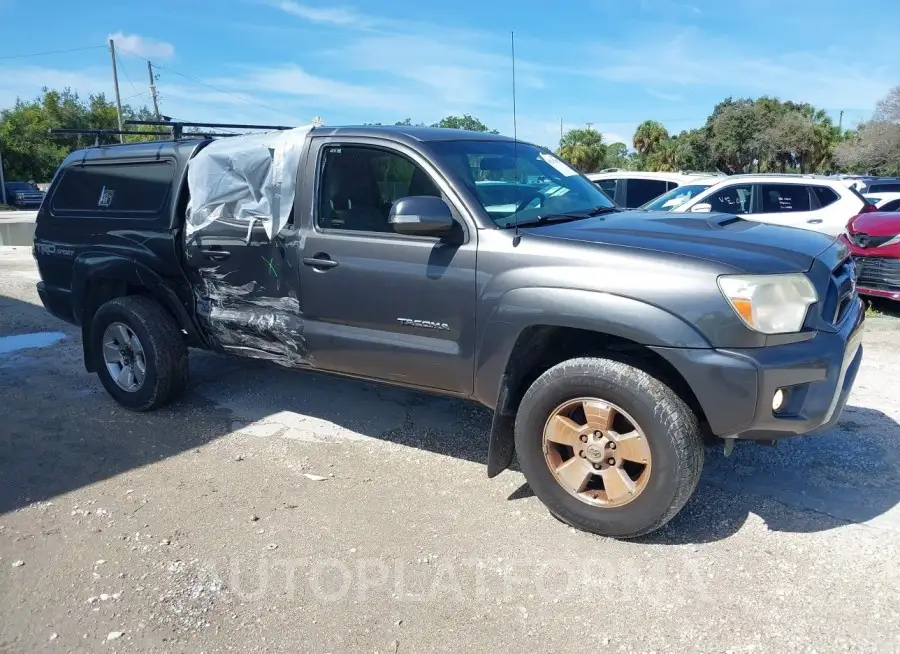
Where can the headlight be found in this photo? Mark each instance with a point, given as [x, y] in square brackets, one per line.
[771, 304]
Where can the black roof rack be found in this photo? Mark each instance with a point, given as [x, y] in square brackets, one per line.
[177, 126]
[97, 133]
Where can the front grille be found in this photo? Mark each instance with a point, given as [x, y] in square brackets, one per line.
[878, 273]
[841, 291]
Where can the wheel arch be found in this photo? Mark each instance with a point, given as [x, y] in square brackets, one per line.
[101, 277]
[516, 350]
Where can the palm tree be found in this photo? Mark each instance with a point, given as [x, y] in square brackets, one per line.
[648, 136]
[583, 148]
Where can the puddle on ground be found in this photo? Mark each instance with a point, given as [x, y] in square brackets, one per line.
[16, 233]
[29, 341]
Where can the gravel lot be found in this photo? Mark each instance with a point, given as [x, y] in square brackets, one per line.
[281, 511]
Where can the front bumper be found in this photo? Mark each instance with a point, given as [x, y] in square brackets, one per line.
[735, 387]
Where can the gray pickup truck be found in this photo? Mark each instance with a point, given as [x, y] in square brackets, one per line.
[609, 344]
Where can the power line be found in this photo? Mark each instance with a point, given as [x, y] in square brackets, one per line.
[124, 70]
[214, 88]
[50, 52]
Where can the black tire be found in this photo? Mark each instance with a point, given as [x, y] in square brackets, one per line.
[671, 429]
[164, 349]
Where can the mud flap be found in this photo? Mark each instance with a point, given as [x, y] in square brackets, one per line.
[502, 443]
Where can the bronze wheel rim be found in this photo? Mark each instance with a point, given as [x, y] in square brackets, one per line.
[597, 452]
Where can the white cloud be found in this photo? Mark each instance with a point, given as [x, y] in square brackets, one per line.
[143, 46]
[332, 15]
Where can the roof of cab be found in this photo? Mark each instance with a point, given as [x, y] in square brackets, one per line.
[412, 132]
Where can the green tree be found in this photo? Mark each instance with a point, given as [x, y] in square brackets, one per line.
[464, 122]
[693, 151]
[31, 152]
[875, 146]
[583, 148]
[616, 156]
[664, 156]
[648, 136]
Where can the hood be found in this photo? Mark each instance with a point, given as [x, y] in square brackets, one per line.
[876, 223]
[746, 245]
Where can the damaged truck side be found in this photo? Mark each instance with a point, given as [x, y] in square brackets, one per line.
[607, 343]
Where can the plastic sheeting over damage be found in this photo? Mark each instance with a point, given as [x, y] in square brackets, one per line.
[250, 178]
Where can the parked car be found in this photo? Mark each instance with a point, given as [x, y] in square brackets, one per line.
[884, 201]
[631, 189]
[23, 195]
[881, 185]
[874, 242]
[811, 202]
[606, 343]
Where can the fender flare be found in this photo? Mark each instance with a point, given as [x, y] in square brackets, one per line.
[508, 330]
[101, 266]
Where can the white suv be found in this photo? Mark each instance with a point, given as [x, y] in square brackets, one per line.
[632, 188]
[818, 203]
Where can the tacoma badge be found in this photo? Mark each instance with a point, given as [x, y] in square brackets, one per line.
[425, 324]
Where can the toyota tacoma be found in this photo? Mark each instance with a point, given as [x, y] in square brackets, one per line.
[608, 344]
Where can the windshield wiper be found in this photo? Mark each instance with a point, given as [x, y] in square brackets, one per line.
[566, 217]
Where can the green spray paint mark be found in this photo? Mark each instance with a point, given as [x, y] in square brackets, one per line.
[271, 264]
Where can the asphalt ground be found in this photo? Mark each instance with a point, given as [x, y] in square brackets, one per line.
[272, 510]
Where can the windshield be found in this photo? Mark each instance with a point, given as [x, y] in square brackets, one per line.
[519, 181]
[674, 198]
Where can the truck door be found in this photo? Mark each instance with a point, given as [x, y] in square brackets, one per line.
[378, 304]
[245, 287]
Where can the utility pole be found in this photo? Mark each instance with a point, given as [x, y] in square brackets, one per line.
[112, 54]
[153, 90]
[2, 182]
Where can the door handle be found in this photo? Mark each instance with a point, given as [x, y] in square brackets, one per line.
[216, 255]
[320, 261]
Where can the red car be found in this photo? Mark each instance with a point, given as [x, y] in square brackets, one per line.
[874, 240]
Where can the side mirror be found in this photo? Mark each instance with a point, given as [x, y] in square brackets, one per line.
[703, 207]
[421, 215]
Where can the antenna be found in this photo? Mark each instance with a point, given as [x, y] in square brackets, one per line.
[512, 42]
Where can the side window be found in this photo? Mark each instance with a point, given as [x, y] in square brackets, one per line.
[824, 195]
[893, 205]
[110, 189]
[731, 199]
[783, 198]
[641, 191]
[358, 184]
[608, 186]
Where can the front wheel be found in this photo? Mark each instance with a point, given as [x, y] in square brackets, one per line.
[607, 447]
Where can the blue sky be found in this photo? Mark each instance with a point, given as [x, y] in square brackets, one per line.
[612, 63]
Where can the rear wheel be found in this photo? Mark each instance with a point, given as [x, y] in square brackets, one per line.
[140, 355]
[607, 447]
